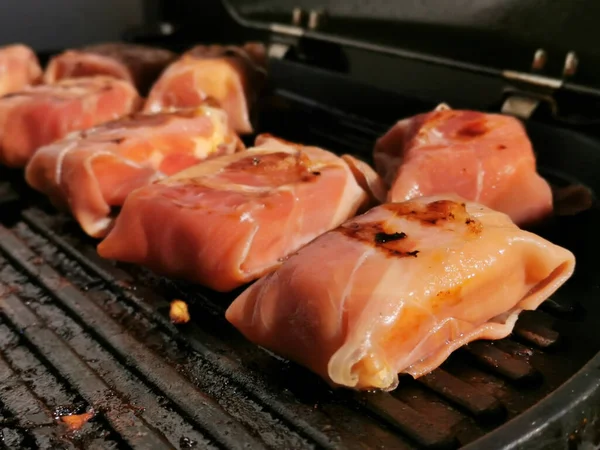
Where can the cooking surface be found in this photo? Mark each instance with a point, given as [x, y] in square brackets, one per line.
[77, 332]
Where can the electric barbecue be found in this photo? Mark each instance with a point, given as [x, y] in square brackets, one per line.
[86, 338]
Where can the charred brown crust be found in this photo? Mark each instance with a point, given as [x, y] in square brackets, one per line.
[435, 213]
[397, 243]
[394, 244]
[382, 238]
[473, 129]
[294, 167]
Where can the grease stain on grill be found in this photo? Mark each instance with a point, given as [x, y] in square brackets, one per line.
[186, 442]
[76, 421]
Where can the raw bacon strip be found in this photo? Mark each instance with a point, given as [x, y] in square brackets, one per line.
[485, 158]
[40, 115]
[232, 219]
[398, 289]
[19, 67]
[233, 76]
[91, 171]
[139, 64]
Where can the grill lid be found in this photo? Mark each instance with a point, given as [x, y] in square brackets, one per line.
[497, 34]
[541, 73]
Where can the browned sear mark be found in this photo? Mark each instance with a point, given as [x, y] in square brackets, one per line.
[393, 243]
[431, 213]
[436, 213]
[382, 238]
[277, 165]
[446, 298]
[473, 129]
[474, 226]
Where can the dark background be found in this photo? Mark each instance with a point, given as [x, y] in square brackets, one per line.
[57, 24]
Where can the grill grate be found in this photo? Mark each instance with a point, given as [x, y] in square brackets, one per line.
[79, 330]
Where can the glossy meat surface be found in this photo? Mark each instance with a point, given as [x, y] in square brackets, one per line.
[19, 67]
[93, 170]
[233, 76]
[232, 219]
[399, 288]
[139, 64]
[486, 158]
[42, 114]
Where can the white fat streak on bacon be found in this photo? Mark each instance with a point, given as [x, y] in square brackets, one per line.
[249, 243]
[351, 283]
[60, 159]
[480, 178]
[98, 226]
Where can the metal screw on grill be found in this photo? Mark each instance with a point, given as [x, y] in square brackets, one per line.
[166, 28]
[571, 64]
[316, 19]
[540, 58]
[278, 51]
[298, 17]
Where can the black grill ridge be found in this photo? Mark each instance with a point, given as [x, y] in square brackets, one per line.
[100, 334]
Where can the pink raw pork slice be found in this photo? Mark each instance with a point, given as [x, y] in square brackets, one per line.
[486, 158]
[398, 289]
[232, 219]
[19, 67]
[92, 171]
[139, 64]
[233, 76]
[39, 115]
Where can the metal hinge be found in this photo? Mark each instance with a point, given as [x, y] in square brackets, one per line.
[300, 20]
[530, 90]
